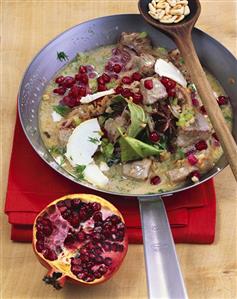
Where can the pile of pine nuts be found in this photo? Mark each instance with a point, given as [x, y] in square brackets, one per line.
[168, 11]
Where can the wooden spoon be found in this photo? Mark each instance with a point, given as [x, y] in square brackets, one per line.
[181, 34]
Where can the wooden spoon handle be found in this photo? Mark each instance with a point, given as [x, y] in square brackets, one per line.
[185, 45]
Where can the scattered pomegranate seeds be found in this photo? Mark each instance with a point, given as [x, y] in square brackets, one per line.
[106, 78]
[148, 84]
[137, 97]
[82, 69]
[155, 180]
[59, 79]
[69, 101]
[126, 80]
[154, 136]
[201, 145]
[192, 159]
[84, 79]
[117, 68]
[222, 100]
[136, 76]
[126, 92]
[109, 67]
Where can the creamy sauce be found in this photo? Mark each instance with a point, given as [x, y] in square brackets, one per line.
[117, 182]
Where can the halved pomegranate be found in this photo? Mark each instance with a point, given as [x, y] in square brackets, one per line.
[81, 238]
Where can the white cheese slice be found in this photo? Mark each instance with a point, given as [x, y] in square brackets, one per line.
[83, 142]
[92, 97]
[167, 69]
[56, 116]
[95, 176]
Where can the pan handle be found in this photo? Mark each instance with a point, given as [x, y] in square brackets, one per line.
[164, 277]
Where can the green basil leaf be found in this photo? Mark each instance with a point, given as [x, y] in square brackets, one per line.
[62, 110]
[138, 119]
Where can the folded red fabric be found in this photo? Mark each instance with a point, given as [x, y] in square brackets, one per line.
[32, 184]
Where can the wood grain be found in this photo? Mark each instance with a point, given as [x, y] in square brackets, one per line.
[209, 270]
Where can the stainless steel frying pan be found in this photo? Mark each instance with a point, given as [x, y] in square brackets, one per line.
[163, 273]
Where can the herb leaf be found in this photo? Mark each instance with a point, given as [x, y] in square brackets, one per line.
[107, 149]
[138, 119]
[79, 171]
[62, 110]
[94, 140]
[62, 56]
[57, 150]
[143, 34]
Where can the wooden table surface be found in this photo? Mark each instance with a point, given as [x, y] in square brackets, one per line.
[209, 270]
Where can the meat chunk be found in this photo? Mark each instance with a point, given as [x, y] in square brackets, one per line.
[136, 41]
[179, 175]
[198, 130]
[138, 170]
[146, 64]
[111, 126]
[176, 58]
[151, 96]
[64, 134]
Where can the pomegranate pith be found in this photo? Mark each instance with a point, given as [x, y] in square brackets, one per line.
[81, 238]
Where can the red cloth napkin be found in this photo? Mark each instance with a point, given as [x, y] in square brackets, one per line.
[32, 184]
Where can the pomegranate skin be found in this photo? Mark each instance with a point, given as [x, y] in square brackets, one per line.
[59, 273]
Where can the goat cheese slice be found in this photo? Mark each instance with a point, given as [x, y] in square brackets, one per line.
[95, 176]
[92, 97]
[56, 116]
[83, 142]
[167, 69]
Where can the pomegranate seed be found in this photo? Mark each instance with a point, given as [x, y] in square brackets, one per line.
[171, 93]
[148, 84]
[107, 261]
[39, 246]
[69, 240]
[203, 110]
[106, 78]
[59, 79]
[61, 90]
[192, 159]
[136, 76]
[120, 247]
[75, 221]
[70, 102]
[103, 269]
[222, 100]
[100, 80]
[101, 87]
[96, 206]
[168, 83]
[97, 274]
[154, 136]
[119, 90]
[117, 68]
[201, 145]
[97, 216]
[68, 82]
[126, 80]
[74, 91]
[137, 97]
[84, 79]
[78, 77]
[50, 254]
[109, 67]
[191, 151]
[115, 219]
[155, 180]
[47, 230]
[215, 136]
[196, 174]
[195, 102]
[82, 91]
[82, 69]
[126, 92]
[39, 236]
